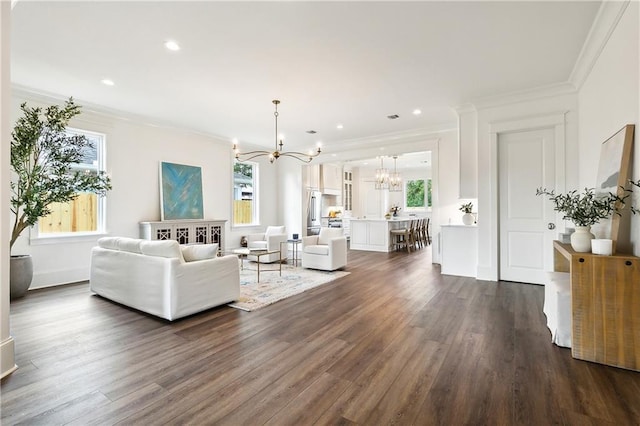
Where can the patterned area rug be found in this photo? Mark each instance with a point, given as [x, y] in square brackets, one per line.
[273, 287]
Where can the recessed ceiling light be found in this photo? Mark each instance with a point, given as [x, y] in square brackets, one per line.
[107, 82]
[417, 112]
[339, 126]
[172, 45]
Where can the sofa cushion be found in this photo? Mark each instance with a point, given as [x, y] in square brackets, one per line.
[327, 234]
[194, 252]
[274, 230]
[129, 244]
[164, 248]
[108, 243]
[322, 249]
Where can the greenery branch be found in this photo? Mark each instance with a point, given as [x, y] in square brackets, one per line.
[587, 208]
[466, 208]
[42, 159]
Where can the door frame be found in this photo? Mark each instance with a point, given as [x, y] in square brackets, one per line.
[555, 121]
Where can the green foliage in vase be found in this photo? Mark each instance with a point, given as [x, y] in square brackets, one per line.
[467, 207]
[587, 208]
[42, 158]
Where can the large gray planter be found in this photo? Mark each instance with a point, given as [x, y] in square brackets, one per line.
[20, 275]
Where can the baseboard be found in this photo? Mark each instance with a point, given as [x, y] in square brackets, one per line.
[486, 274]
[64, 276]
[7, 357]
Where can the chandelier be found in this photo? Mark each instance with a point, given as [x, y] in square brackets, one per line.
[382, 176]
[395, 180]
[278, 152]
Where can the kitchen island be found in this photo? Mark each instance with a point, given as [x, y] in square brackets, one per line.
[373, 234]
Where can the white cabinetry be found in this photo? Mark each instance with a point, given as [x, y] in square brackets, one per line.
[347, 190]
[312, 176]
[185, 231]
[459, 248]
[331, 176]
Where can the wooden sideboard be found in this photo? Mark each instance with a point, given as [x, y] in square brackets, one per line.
[191, 231]
[605, 306]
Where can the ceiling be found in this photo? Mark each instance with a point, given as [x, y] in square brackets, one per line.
[330, 63]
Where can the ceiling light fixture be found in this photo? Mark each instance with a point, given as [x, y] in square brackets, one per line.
[107, 82]
[339, 126]
[417, 112]
[382, 176]
[395, 180]
[278, 152]
[172, 45]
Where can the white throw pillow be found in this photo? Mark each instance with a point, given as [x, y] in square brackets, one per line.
[274, 230]
[163, 248]
[327, 234]
[195, 252]
[129, 244]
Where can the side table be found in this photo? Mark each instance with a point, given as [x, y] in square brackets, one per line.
[295, 258]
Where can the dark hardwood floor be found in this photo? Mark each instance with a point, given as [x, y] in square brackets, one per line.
[393, 342]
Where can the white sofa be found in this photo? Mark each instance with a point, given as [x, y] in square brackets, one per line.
[557, 307]
[154, 277]
[326, 251]
[270, 239]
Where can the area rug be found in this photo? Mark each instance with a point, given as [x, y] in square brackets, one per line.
[273, 287]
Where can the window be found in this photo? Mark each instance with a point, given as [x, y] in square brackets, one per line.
[417, 196]
[84, 214]
[245, 194]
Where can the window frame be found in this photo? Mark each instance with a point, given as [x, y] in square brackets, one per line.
[426, 207]
[37, 238]
[255, 210]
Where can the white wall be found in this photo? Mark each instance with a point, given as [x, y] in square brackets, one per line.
[7, 357]
[608, 100]
[134, 151]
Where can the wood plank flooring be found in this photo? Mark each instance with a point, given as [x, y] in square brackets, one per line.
[394, 342]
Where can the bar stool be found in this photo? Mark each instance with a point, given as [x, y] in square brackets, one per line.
[401, 237]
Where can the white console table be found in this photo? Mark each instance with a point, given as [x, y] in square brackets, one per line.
[459, 248]
[192, 231]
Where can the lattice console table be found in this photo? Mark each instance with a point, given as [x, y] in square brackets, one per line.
[192, 231]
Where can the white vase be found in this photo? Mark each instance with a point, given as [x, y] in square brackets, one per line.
[581, 239]
[467, 219]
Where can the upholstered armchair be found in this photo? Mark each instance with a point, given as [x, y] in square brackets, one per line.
[270, 240]
[326, 251]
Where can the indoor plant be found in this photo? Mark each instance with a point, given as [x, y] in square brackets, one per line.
[585, 209]
[42, 156]
[467, 217]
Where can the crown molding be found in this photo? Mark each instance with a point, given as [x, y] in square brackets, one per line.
[604, 24]
[549, 91]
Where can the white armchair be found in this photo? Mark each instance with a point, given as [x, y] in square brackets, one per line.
[326, 251]
[269, 240]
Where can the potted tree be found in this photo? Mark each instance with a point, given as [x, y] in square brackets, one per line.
[42, 156]
[584, 210]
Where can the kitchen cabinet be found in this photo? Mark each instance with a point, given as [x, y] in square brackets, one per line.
[331, 176]
[347, 190]
[459, 248]
[312, 176]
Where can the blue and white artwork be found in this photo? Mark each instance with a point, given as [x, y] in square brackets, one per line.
[180, 192]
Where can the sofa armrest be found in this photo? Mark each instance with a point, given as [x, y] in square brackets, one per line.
[338, 247]
[273, 241]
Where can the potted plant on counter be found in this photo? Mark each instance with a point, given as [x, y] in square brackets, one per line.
[467, 209]
[584, 210]
[42, 159]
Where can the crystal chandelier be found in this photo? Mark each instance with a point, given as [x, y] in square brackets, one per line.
[278, 152]
[382, 176]
[395, 180]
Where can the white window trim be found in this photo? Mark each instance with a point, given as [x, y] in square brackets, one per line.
[36, 238]
[256, 198]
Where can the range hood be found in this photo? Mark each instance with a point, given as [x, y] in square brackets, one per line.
[330, 179]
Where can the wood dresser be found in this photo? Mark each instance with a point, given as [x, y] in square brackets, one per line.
[605, 305]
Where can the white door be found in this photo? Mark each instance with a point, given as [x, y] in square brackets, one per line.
[526, 162]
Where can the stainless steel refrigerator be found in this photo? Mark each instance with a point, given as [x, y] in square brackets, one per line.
[313, 212]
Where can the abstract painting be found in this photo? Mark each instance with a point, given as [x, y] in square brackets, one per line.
[180, 192]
